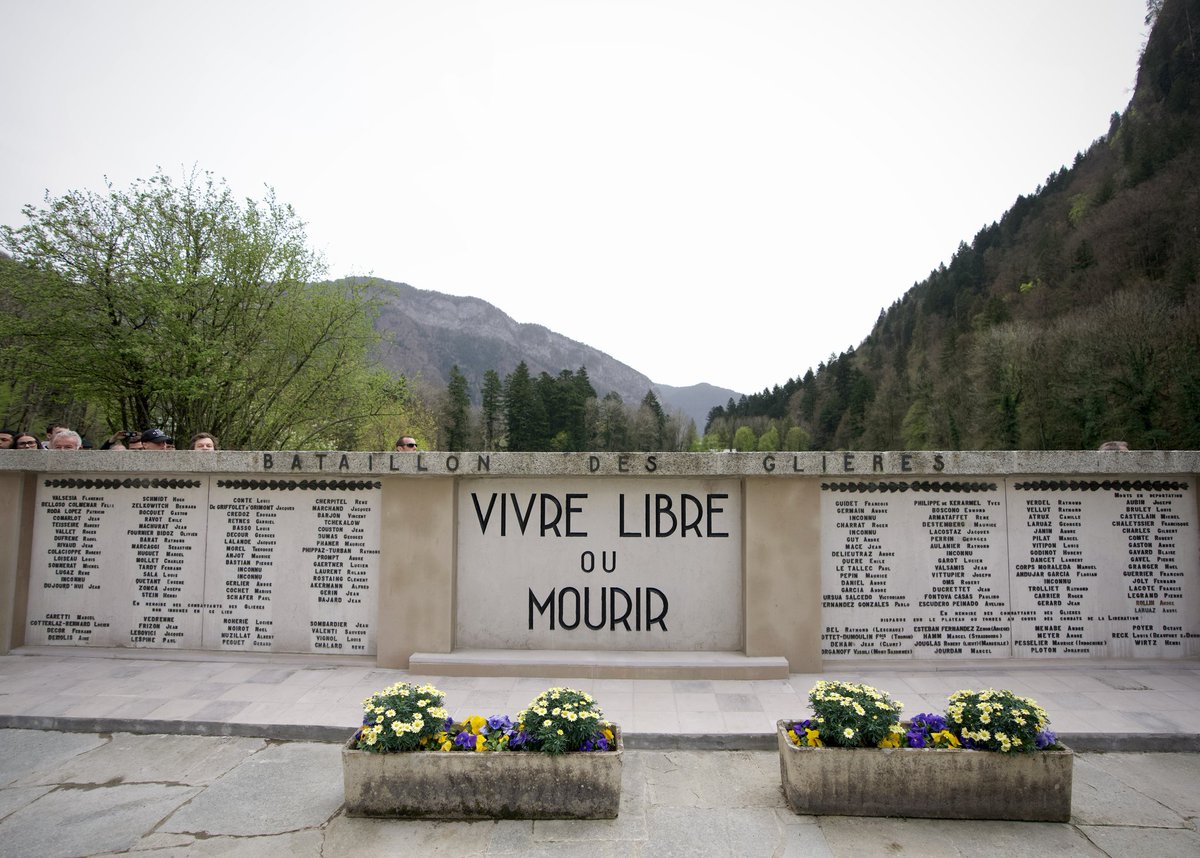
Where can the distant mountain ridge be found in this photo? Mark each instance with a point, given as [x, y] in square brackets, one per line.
[427, 332]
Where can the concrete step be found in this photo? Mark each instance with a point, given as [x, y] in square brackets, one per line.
[599, 664]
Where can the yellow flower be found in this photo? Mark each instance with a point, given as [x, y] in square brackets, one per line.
[848, 733]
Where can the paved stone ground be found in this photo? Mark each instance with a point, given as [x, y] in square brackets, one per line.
[78, 794]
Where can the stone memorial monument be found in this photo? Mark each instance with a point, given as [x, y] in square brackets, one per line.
[659, 564]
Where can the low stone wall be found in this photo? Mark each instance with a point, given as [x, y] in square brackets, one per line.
[808, 557]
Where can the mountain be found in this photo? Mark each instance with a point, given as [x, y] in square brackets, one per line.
[426, 333]
[695, 401]
[1071, 320]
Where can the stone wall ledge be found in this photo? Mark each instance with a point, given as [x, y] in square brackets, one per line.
[844, 466]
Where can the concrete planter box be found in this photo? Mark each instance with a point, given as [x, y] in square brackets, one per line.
[928, 783]
[486, 785]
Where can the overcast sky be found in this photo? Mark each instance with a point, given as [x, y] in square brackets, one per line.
[725, 192]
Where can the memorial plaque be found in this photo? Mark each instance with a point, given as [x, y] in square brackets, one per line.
[206, 563]
[118, 562]
[599, 564]
[293, 566]
[1104, 567]
[914, 569]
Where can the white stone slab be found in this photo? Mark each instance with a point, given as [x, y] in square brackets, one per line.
[1025, 567]
[117, 561]
[1104, 567]
[205, 562]
[914, 568]
[599, 564]
[293, 566]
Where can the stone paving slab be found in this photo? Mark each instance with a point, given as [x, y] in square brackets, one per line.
[89, 795]
[72, 821]
[282, 788]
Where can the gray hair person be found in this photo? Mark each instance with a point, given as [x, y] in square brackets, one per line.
[66, 439]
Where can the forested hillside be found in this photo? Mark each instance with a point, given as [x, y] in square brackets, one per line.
[1072, 319]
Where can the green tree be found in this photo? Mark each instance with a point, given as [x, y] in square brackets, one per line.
[171, 304]
[612, 424]
[797, 439]
[492, 408]
[743, 439]
[650, 424]
[457, 421]
[768, 442]
[524, 412]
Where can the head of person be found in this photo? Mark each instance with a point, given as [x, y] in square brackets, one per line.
[66, 439]
[53, 429]
[25, 441]
[202, 441]
[1114, 446]
[406, 444]
[8, 438]
[156, 439]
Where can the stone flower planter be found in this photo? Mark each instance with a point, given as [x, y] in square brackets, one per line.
[933, 784]
[485, 785]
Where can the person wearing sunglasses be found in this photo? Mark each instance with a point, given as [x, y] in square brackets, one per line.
[407, 443]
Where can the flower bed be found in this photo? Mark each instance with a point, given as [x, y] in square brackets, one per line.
[990, 757]
[559, 759]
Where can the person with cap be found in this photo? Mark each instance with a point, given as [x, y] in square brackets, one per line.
[156, 439]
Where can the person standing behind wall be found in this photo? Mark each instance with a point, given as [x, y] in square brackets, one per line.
[202, 441]
[65, 439]
[406, 444]
[25, 441]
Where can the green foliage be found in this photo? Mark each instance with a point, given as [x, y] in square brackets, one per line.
[797, 439]
[524, 412]
[768, 442]
[1069, 321]
[401, 717]
[744, 440]
[852, 715]
[173, 305]
[457, 423]
[650, 425]
[492, 397]
[560, 720]
[996, 720]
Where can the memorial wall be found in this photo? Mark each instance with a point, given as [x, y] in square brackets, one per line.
[1018, 567]
[205, 563]
[893, 556]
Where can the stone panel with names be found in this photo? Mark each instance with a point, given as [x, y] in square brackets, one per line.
[914, 569]
[293, 566]
[205, 563]
[1104, 567]
[118, 562]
